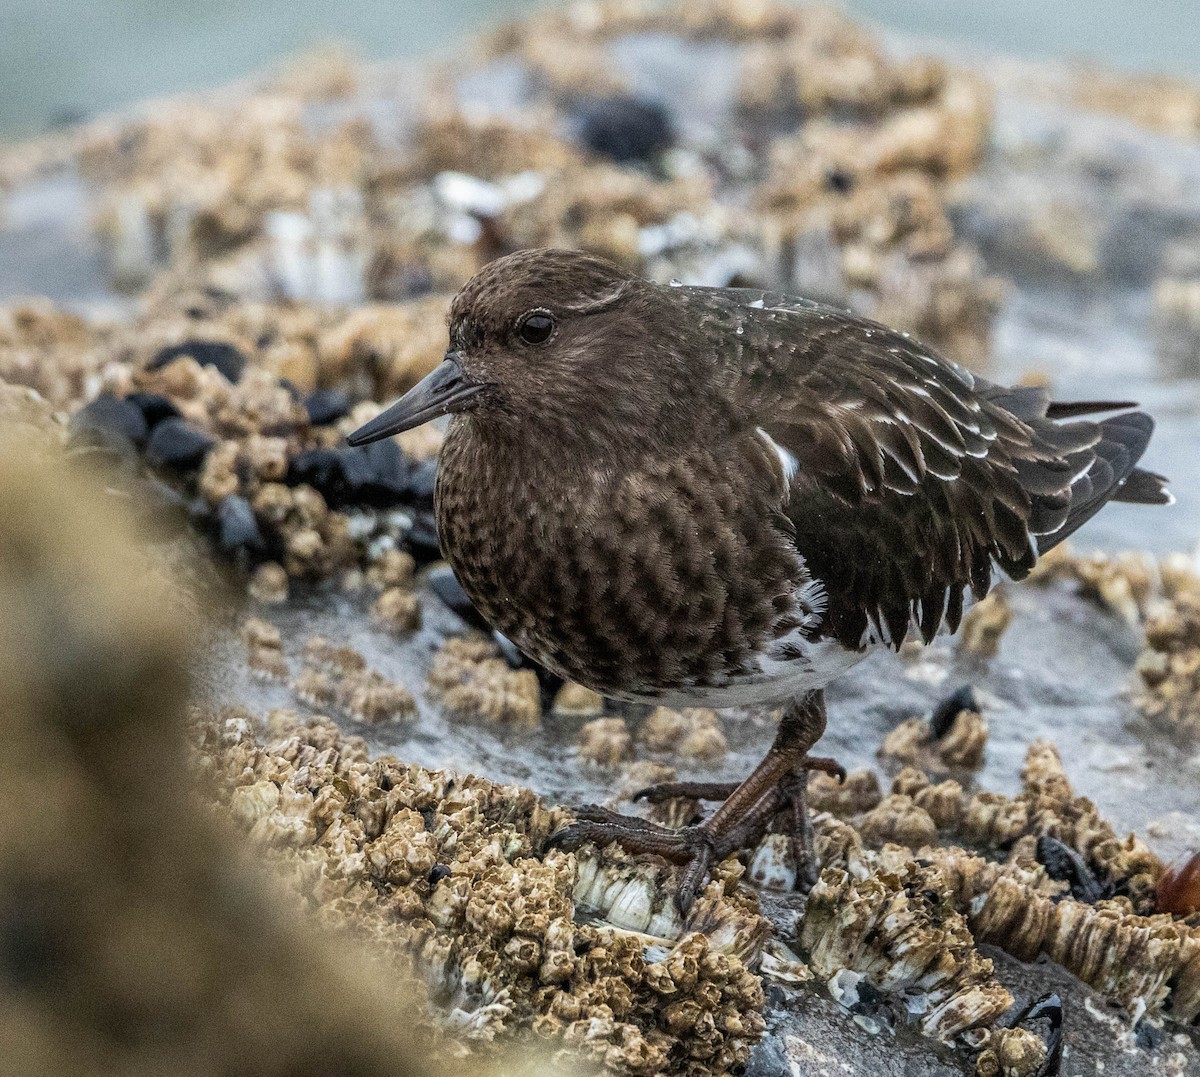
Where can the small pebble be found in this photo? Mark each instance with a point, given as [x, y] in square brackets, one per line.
[225, 358]
[237, 529]
[326, 406]
[175, 443]
[154, 407]
[625, 128]
[108, 415]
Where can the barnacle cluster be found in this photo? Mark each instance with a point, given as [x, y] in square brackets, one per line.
[469, 679]
[584, 948]
[1169, 666]
[959, 746]
[145, 940]
[693, 733]
[243, 408]
[1125, 583]
[889, 919]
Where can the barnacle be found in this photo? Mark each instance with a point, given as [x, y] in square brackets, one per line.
[984, 624]
[264, 650]
[370, 697]
[399, 609]
[961, 747]
[575, 701]
[897, 819]
[899, 929]
[1124, 583]
[269, 584]
[1169, 667]
[606, 741]
[585, 947]
[1011, 1052]
[692, 733]
[471, 680]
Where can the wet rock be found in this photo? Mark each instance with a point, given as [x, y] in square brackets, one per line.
[222, 357]
[624, 128]
[423, 537]
[421, 481]
[326, 406]
[175, 444]
[107, 422]
[374, 475]
[390, 473]
[237, 529]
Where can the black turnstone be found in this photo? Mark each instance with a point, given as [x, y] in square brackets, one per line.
[729, 496]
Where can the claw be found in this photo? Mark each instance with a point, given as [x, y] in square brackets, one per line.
[695, 875]
[656, 794]
[569, 838]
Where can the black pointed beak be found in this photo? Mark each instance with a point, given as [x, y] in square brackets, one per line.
[443, 391]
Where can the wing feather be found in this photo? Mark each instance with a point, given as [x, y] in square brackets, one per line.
[913, 476]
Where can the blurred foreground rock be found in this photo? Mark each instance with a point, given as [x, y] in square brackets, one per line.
[134, 939]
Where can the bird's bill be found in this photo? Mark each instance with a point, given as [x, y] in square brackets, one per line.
[441, 392]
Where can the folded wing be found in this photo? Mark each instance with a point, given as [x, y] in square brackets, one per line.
[913, 476]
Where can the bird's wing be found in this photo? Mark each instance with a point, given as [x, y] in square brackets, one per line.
[911, 475]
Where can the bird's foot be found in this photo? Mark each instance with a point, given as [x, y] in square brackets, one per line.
[779, 784]
[664, 791]
[695, 848]
[699, 847]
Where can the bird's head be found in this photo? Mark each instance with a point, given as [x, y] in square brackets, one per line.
[551, 343]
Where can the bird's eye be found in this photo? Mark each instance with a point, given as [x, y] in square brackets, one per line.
[536, 327]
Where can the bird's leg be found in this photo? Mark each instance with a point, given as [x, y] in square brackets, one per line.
[780, 781]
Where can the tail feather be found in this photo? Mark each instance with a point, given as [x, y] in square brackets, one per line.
[1113, 476]
[1070, 409]
[1144, 488]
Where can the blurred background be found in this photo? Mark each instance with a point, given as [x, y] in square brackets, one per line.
[66, 60]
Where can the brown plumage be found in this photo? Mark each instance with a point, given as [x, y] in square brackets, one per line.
[728, 495]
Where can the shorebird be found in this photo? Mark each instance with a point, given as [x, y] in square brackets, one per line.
[729, 496]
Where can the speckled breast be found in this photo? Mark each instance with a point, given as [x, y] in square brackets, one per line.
[632, 584]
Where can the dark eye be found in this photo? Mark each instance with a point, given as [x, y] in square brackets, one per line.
[536, 327]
